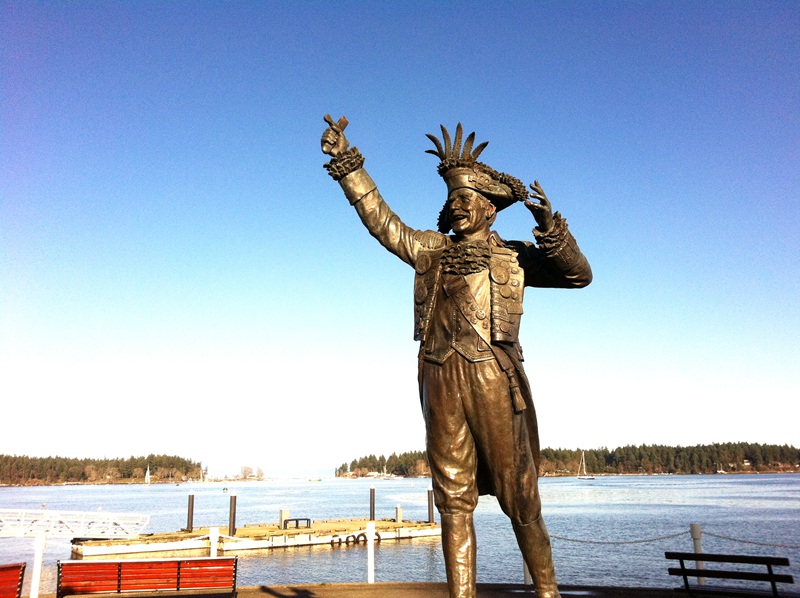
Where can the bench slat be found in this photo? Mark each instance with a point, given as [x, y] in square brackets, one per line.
[728, 558]
[745, 575]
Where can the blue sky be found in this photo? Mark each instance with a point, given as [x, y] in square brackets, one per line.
[179, 275]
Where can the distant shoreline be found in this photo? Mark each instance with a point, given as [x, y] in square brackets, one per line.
[717, 458]
[244, 480]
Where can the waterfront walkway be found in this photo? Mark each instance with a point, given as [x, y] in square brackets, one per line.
[439, 590]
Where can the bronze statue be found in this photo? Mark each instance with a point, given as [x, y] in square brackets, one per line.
[481, 430]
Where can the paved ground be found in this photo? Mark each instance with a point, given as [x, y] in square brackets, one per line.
[439, 590]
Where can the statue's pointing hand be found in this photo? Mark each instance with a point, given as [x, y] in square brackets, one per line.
[333, 141]
[541, 209]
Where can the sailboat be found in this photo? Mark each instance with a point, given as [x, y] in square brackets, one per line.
[582, 475]
[147, 476]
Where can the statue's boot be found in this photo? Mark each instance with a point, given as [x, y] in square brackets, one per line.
[458, 545]
[534, 542]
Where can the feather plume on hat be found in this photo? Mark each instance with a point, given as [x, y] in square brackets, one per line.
[459, 167]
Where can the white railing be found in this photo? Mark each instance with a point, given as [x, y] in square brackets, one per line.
[97, 524]
[42, 523]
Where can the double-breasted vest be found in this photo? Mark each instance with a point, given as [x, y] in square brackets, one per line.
[497, 322]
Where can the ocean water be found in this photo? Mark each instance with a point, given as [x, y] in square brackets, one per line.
[611, 531]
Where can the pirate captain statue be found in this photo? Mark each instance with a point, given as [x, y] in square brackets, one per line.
[480, 424]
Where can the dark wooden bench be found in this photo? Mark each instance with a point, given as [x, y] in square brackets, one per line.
[768, 576]
[11, 577]
[296, 521]
[211, 574]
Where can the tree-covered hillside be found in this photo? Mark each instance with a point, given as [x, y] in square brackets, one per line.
[731, 457]
[412, 464]
[21, 470]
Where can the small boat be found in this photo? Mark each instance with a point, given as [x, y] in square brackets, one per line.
[147, 476]
[582, 475]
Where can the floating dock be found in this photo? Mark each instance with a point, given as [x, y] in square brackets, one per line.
[252, 537]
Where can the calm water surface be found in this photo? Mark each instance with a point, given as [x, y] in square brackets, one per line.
[621, 524]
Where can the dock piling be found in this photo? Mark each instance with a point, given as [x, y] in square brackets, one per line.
[431, 518]
[370, 552]
[213, 541]
[232, 517]
[190, 514]
[40, 541]
[696, 530]
[372, 503]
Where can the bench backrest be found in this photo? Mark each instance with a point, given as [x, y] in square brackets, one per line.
[103, 577]
[768, 561]
[11, 577]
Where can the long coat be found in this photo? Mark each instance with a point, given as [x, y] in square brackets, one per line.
[555, 261]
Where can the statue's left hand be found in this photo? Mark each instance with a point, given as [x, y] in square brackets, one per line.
[541, 209]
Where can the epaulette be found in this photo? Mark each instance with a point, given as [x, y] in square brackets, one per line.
[430, 239]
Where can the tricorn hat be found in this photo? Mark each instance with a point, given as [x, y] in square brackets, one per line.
[460, 169]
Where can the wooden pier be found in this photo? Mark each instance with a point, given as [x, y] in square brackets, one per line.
[252, 537]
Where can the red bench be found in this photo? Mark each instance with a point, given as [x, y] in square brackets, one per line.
[11, 577]
[147, 575]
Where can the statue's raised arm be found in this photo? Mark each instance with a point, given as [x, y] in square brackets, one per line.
[346, 166]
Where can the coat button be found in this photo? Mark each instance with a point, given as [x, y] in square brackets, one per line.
[420, 291]
[499, 274]
[423, 263]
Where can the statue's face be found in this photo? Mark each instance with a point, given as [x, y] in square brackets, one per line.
[469, 212]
